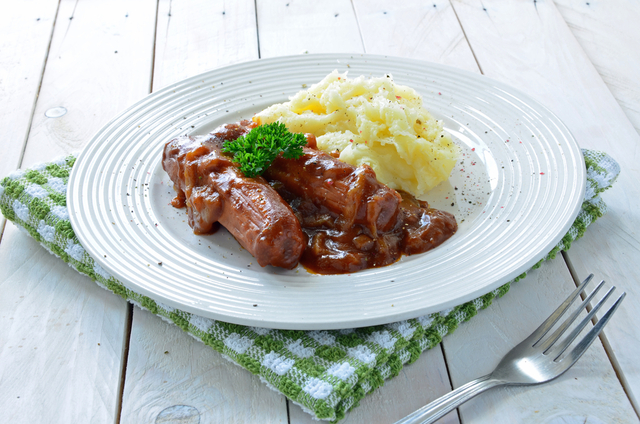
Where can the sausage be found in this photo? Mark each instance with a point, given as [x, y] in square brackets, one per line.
[335, 218]
[215, 191]
[352, 220]
[354, 194]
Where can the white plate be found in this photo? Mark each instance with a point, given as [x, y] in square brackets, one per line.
[515, 193]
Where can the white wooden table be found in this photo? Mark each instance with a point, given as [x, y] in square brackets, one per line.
[71, 352]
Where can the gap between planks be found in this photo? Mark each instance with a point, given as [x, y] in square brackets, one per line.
[355, 14]
[153, 52]
[35, 99]
[446, 365]
[255, 10]
[3, 224]
[473, 53]
[125, 359]
[442, 348]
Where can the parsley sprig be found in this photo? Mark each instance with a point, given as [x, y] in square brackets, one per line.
[256, 151]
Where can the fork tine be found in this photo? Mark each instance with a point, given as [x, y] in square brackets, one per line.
[546, 344]
[549, 322]
[558, 350]
[584, 344]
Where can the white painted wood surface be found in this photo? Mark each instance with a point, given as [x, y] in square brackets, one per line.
[429, 31]
[21, 67]
[62, 337]
[168, 370]
[526, 44]
[196, 36]
[61, 340]
[99, 63]
[288, 27]
[609, 34]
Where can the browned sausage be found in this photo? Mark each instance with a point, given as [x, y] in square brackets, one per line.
[352, 193]
[215, 190]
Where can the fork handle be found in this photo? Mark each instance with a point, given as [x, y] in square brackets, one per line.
[447, 403]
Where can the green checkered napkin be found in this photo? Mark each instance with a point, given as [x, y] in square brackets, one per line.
[326, 372]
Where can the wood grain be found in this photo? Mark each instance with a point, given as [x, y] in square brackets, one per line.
[54, 318]
[62, 342]
[588, 392]
[21, 67]
[99, 64]
[168, 369]
[531, 47]
[608, 33]
[416, 29]
[288, 27]
[194, 37]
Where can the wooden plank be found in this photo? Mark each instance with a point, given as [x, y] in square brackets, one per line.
[170, 373]
[613, 253]
[194, 37]
[530, 47]
[605, 30]
[192, 381]
[588, 392]
[21, 67]
[288, 27]
[417, 29]
[99, 63]
[61, 341]
[63, 337]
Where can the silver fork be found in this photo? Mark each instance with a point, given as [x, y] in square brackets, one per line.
[533, 361]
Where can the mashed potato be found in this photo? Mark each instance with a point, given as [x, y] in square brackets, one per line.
[372, 121]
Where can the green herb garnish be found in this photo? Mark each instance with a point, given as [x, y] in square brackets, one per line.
[256, 151]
